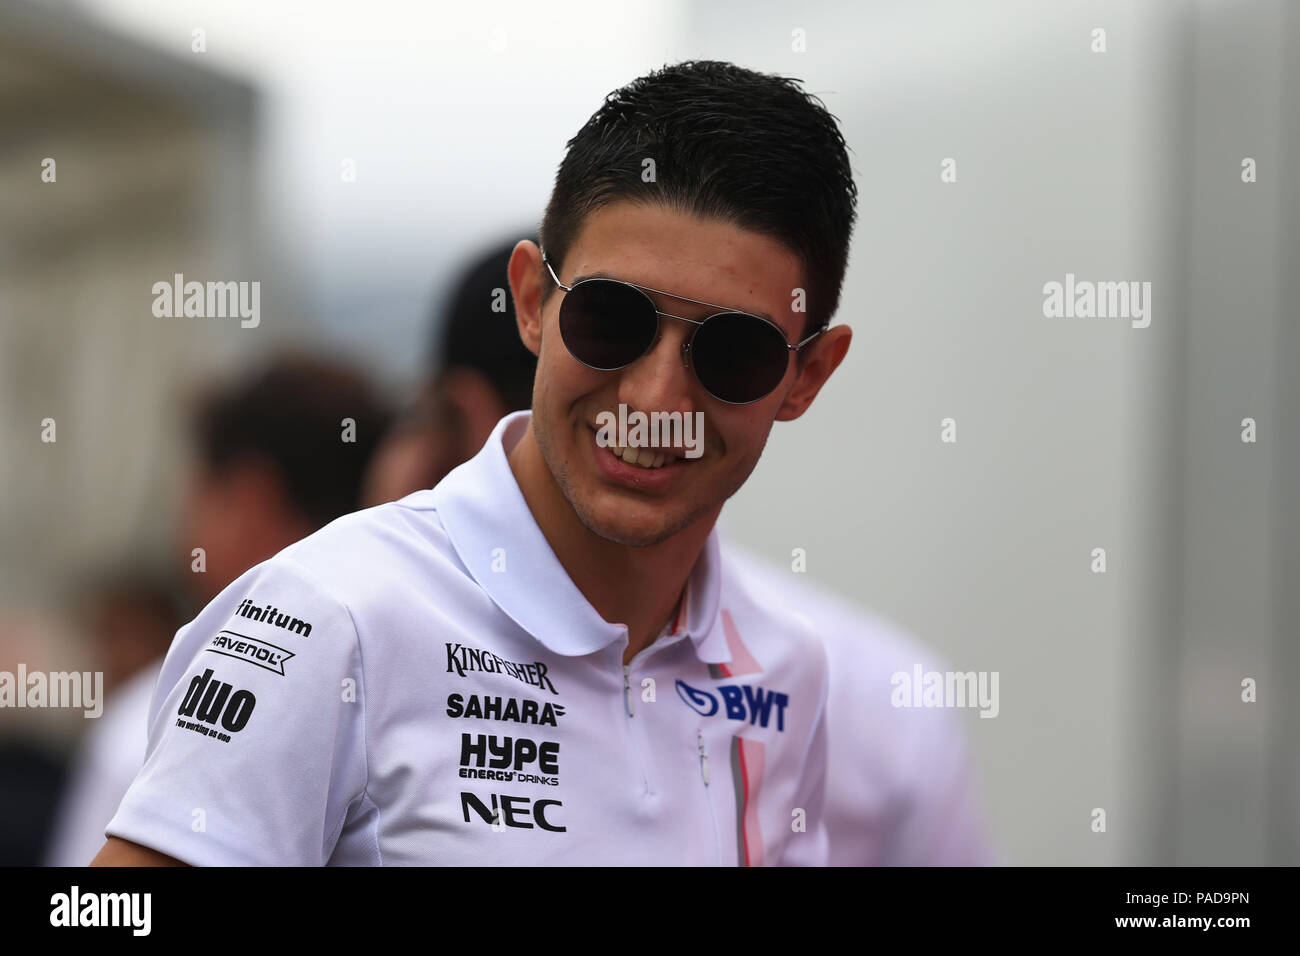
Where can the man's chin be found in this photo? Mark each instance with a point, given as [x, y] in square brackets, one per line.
[628, 524]
[630, 533]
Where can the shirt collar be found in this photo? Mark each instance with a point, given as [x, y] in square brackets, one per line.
[491, 527]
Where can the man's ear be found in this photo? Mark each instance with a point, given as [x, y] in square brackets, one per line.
[525, 275]
[825, 353]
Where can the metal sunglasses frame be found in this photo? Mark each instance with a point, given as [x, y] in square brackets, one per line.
[686, 346]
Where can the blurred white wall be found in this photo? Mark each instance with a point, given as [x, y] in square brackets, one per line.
[1238, 353]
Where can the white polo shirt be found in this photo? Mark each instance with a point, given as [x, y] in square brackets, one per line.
[422, 683]
[901, 786]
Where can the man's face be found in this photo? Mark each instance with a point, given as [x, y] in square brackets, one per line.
[700, 259]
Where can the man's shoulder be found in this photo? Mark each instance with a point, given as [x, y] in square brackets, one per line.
[854, 636]
[864, 650]
[376, 548]
[367, 563]
[764, 625]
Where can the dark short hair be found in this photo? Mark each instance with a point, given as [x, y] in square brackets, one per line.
[290, 413]
[474, 336]
[751, 149]
[153, 593]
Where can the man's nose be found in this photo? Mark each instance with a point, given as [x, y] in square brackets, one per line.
[662, 380]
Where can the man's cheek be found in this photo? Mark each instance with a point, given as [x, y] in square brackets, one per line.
[737, 473]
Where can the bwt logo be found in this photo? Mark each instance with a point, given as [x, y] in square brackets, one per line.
[741, 702]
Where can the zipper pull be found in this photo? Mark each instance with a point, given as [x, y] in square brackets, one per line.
[704, 759]
[627, 689]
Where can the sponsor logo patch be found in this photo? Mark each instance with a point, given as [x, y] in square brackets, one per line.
[462, 659]
[521, 711]
[218, 709]
[245, 648]
[270, 614]
[742, 702]
[505, 758]
[519, 812]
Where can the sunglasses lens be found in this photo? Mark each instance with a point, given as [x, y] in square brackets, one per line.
[739, 358]
[607, 324]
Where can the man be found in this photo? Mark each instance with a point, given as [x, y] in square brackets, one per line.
[543, 659]
[268, 468]
[901, 788]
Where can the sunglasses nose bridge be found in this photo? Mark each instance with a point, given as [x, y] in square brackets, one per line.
[664, 318]
[685, 348]
[653, 380]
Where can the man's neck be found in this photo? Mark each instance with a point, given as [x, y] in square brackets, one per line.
[636, 586]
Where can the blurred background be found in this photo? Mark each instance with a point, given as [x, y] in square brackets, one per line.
[356, 160]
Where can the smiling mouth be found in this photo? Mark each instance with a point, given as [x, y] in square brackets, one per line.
[648, 458]
[644, 457]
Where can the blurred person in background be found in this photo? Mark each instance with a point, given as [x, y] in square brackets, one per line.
[901, 788]
[481, 372]
[130, 618]
[273, 459]
[33, 760]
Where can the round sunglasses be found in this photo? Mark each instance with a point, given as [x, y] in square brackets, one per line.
[608, 324]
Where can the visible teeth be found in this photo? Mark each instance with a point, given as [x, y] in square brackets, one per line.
[641, 457]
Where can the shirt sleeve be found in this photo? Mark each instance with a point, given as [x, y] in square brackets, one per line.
[256, 753]
[811, 847]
